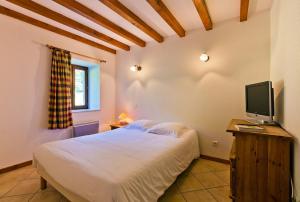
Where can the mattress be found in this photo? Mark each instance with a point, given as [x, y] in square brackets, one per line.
[121, 165]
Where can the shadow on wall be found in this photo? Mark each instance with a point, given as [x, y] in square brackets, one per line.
[41, 90]
[279, 101]
[165, 74]
[279, 115]
[222, 63]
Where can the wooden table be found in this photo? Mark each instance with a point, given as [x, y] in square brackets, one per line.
[260, 164]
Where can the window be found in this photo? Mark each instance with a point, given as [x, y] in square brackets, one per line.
[80, 87]
[86, 86]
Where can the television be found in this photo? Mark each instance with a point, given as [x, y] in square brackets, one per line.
[260, 101]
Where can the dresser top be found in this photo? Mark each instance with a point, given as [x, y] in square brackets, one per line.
[276, 131]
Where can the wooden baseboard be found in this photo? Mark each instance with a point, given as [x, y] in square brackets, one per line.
[14, 167]
[215, 159]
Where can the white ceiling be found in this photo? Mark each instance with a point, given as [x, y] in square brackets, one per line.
[183, 10]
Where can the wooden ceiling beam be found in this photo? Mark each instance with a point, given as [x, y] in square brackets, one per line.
[37, 8]
[127, 14]
[203, 13]
[100, 20]
[244, 10]
[169, 18]
[32, 21]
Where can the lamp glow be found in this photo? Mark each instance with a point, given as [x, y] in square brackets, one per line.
[135, 68]
[122, 116]
[204, 57]
[124, 119]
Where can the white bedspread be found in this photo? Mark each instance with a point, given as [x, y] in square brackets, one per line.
[123, 165]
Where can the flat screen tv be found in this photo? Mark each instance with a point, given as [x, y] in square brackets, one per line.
[260, 101]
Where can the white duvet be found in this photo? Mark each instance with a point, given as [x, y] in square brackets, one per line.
[123, 165]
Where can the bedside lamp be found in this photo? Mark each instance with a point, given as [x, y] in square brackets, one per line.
[124, 119]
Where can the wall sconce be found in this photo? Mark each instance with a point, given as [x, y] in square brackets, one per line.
[135, 68]
[204, 57]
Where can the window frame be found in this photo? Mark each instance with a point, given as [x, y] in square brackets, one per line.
[86, 70]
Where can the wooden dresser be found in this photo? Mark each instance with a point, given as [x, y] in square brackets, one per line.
[260, 164]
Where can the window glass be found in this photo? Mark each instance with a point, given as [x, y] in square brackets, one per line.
[79, 87]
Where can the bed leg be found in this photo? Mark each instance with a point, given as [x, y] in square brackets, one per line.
[43, 184]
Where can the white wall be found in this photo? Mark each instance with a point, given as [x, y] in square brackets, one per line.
[24, 84]
[175, 86]
[285, 71]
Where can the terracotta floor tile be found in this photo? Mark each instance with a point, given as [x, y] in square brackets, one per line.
[21, 198]
[47, 196]
[19, 174]
[209, 180]
[221, 194]
[224, 176]
[25, 187]
[198, 196]
[172, 198]
[6, 186]
[200, 166]
[188, 183]
[215, 166]
[34, 175]
[64, 199]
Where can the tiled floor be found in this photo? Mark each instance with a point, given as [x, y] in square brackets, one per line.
[203, 181]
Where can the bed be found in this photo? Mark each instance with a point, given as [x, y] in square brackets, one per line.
[120, 165]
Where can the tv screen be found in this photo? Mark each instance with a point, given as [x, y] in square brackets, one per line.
[259, 98]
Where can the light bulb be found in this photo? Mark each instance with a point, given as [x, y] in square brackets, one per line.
[204, 57]
[135, 68]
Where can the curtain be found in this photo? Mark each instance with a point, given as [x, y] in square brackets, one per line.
[60, 103]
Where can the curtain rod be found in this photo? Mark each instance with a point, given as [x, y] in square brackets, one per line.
[97, 59]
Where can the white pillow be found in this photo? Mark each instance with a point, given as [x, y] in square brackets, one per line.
[168, 128]
[141, 124]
